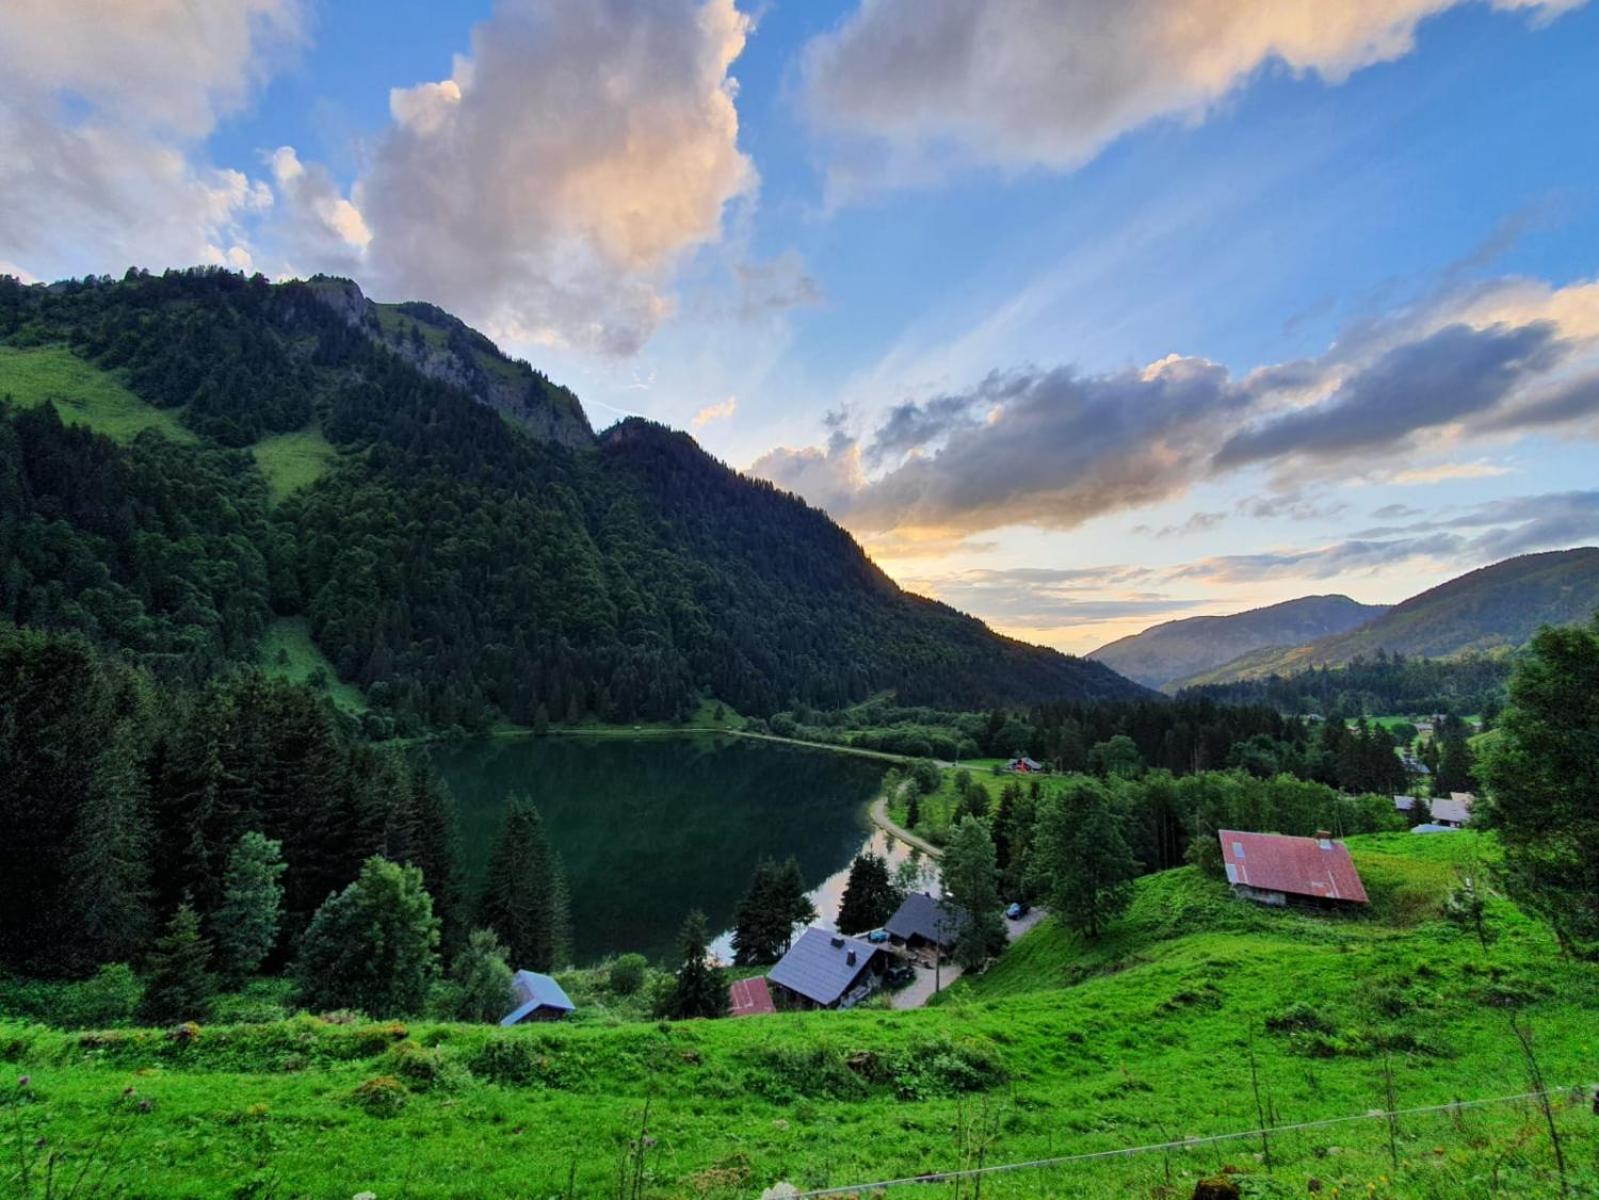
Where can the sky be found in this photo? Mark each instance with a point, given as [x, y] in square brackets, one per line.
[1079, 317]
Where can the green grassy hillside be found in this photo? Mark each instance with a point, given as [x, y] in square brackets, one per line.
[288, 651]
[1060, 1049]
[1496, 608]
[82, 393]
[291, 461]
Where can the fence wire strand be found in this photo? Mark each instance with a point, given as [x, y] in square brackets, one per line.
[1187, 1143]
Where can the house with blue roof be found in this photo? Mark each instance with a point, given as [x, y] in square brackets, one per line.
[537, 998]
[827, 970]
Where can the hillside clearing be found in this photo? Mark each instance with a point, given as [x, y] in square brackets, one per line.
[288, 652]
[291, 461]
[82, 393]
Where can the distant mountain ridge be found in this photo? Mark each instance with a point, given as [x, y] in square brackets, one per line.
[1177, 649]
[1497, 607]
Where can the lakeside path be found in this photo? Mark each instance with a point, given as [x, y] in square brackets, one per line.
[880, 818]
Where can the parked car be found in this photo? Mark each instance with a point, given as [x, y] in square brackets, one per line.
[1018, 910]
[877, 936]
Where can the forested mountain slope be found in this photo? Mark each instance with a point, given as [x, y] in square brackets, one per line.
[462, 551]
[1178, 649]
[1494, 608]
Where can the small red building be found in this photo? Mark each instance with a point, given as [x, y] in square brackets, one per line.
[1270, 867]
[749, 998]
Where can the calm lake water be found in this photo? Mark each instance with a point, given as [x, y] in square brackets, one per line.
[652, 827]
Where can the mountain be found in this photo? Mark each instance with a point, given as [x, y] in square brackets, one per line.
[439, 518]
[1494, 608]
[1177, 649]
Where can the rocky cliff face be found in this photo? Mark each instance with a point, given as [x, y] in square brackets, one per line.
[445, 348]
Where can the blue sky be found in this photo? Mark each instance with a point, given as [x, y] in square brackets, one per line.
[925, 261]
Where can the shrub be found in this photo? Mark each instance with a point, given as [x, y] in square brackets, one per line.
[627, 974]
[422, 1069]
[111, 997]
[381, 1096]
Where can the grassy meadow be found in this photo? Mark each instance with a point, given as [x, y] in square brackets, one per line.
[1164, 1030]
[290, 461]
[288, 651]
[82, 393]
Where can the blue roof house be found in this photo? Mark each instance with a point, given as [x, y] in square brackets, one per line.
[827, 970]
[538, 998]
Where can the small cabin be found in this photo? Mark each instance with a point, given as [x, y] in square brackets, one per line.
[1271, 868]
[923, 923]
[1022, 765]
[827, 970]
[538, 998]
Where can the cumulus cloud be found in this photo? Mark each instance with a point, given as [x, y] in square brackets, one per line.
[320, 224]
[547, 187]
[911, 87]
[1052, 448]
[103, 106]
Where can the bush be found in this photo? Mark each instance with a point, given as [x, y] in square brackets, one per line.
[422, 1069]
[381, 1096]
[627, 974]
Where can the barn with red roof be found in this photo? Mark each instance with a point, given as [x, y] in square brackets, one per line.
[1271, 868]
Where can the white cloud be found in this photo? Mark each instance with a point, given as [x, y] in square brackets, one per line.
[547, 188]
[102, 108]
[912, 87]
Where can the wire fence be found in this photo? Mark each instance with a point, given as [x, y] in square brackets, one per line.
[1418, 1133]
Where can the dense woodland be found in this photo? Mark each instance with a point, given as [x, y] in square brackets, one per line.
[1383, 683]
[121, 798]
[451, 564]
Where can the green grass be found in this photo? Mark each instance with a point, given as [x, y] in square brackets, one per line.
[1060, 1049]
[291, 461]
[82, 393]
[288, 651]
[396, 324]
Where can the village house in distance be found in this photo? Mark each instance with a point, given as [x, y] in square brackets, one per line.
[1271, 868]
[538, 998]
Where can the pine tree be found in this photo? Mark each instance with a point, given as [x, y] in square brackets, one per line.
[869, 897]
[971, 893]
[763, 922]
[524, 896]
[108, 871]
[482, 979]
[179, 985]
[372, 947]
[422, 829]
[246, 926]
[1543, 774]
[699, 990]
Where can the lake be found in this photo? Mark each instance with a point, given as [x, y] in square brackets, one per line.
[652, 827]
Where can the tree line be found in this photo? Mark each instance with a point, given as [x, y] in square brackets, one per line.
[211, 833]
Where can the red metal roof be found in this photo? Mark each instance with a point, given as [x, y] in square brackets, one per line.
[1299, 866]
[750, 998]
